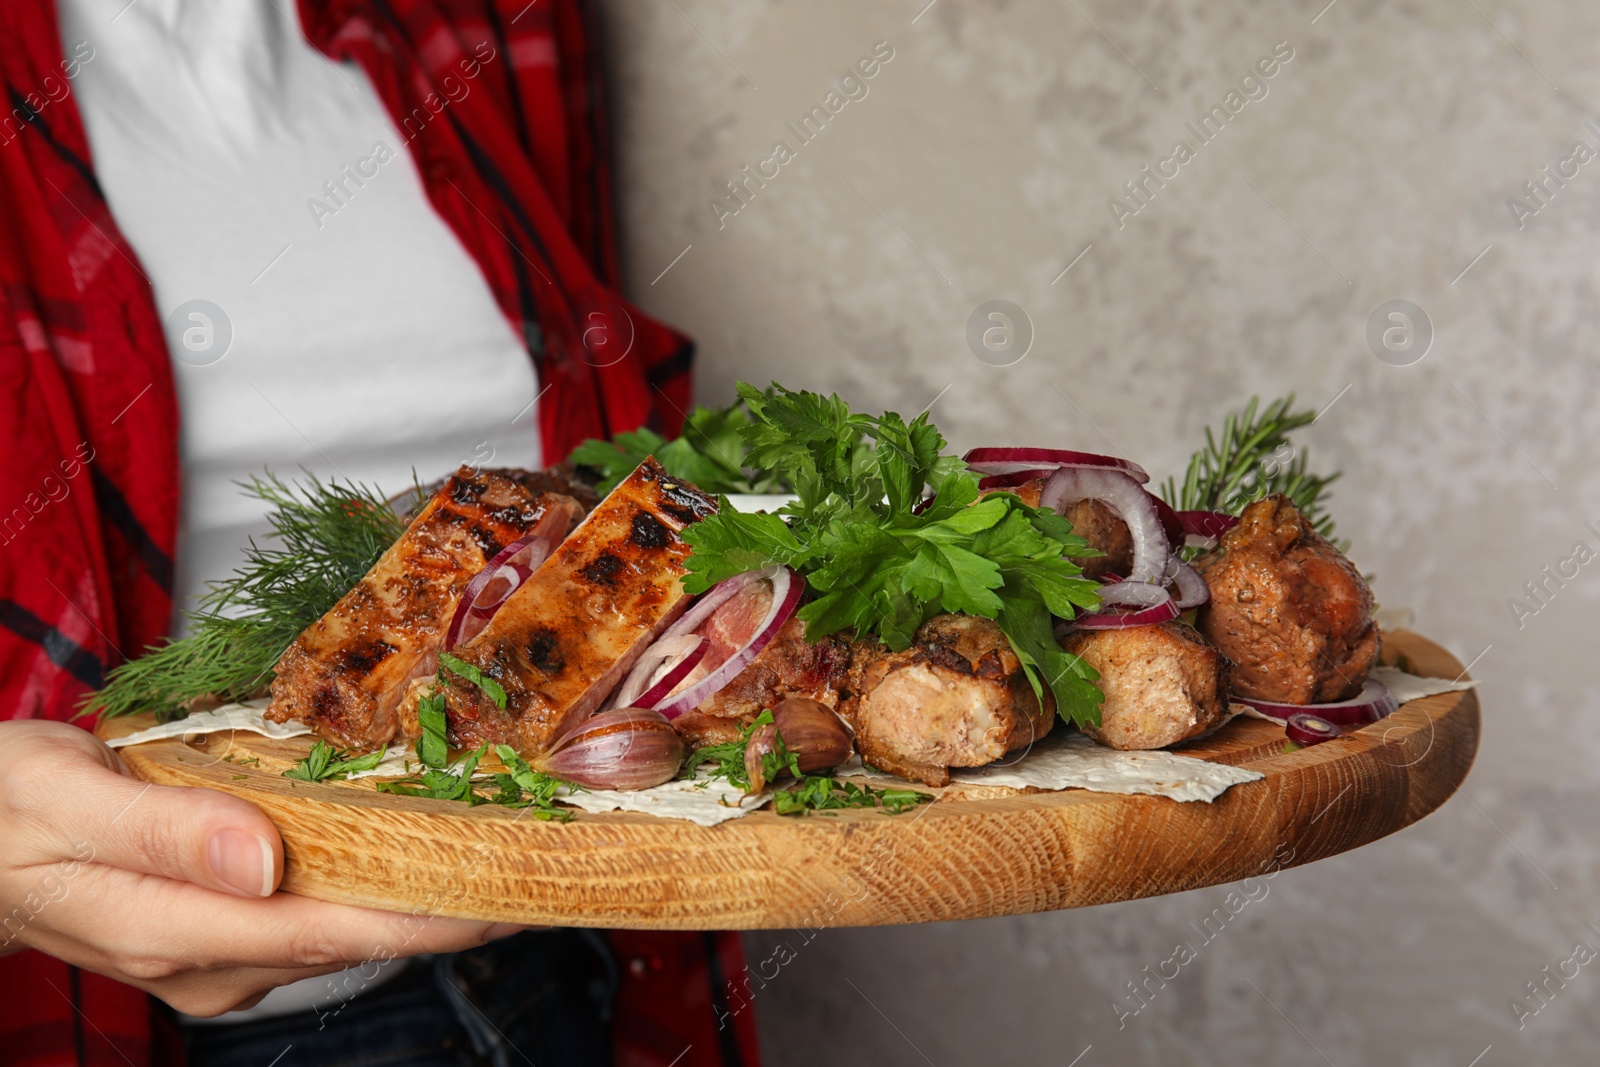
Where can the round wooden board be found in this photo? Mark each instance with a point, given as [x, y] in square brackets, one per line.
[968, 855]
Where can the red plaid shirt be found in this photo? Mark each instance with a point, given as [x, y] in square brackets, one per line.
[501, 106]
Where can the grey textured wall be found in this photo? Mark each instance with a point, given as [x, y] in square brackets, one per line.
[1377, 166]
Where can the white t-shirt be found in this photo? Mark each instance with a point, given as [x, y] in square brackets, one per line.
[364, 342]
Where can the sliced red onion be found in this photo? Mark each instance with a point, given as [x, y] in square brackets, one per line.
[1126, 594]
[1123, 495]
[1374, 702]
[1169, 519]
[493, 586]
[787, 588]
[1192, 589]
[1014, 460]
[1310, 729]
[1211, 524]
[663, 665]
[1121, 620]
[1014, 479]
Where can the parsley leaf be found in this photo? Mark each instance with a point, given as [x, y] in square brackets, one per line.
[822, 793]
[877, 565]
[325, 763]
[433, 746]
[710, 454]
[462, 669]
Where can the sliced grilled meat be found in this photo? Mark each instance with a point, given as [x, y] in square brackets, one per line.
[790, 666]
[561, 479]
[573, 630]
[347, 673]
[956, 698]
[1291, 612]
[1095, 523]
[1163, 684]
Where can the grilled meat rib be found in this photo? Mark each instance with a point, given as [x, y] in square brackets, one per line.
[1162, 684]
[956, 698]
[790, 666]
[1291, 612]
[347, 673]
[564, 640]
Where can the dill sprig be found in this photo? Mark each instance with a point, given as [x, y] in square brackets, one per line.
[1253, 458]
[325, 537]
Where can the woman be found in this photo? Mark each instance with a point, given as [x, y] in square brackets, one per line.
[317, 237]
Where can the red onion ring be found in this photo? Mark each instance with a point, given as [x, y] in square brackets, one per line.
[493, 586]
[1374, 702]
[1192, 588]
[1306, 729]
[1014, 479]
[1121, 620]
[787, 588]
[662, 666]
[1014, 460]
[1211, 524]
[1123, 495]
[1125, 594]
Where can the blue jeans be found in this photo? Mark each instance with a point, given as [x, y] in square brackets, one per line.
[541, 997]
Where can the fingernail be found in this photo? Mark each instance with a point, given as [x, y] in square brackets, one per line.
[242, 861]
[499, 930]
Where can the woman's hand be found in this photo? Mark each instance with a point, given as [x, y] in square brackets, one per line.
[169, 889]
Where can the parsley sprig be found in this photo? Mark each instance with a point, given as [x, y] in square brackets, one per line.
[325, 763]
[880, 568]
[464, 670]
[710, 454]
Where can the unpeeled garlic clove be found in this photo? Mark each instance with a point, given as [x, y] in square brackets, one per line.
[812, 731]
[761, 742]
[625, 748]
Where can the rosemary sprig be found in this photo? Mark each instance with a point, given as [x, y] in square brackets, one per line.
[1253, 458]
[325, 537]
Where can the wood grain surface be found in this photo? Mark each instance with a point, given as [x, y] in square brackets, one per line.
[970, 854]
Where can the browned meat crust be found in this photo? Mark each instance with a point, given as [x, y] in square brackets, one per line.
[561, 479]
[1162, 684]
[574, 629]
[1291, 612]
[346, 674]
[789, 666]
[1096, 524]
[956, 698]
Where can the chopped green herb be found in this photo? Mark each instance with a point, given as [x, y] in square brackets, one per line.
[462, 669]
[878, 567]
[523, 787]
[325, 763]
[727, 759]
[822, 793]
[433, 744]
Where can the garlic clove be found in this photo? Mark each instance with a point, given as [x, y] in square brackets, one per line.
[761, 742]
[625, 748]
[812, 730]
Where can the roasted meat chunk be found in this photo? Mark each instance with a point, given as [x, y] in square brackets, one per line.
[790, 666]
[347, 673]
[1291, 612]
[1095, 523]
[573, 630]
[956, 698]
[1163, 684]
